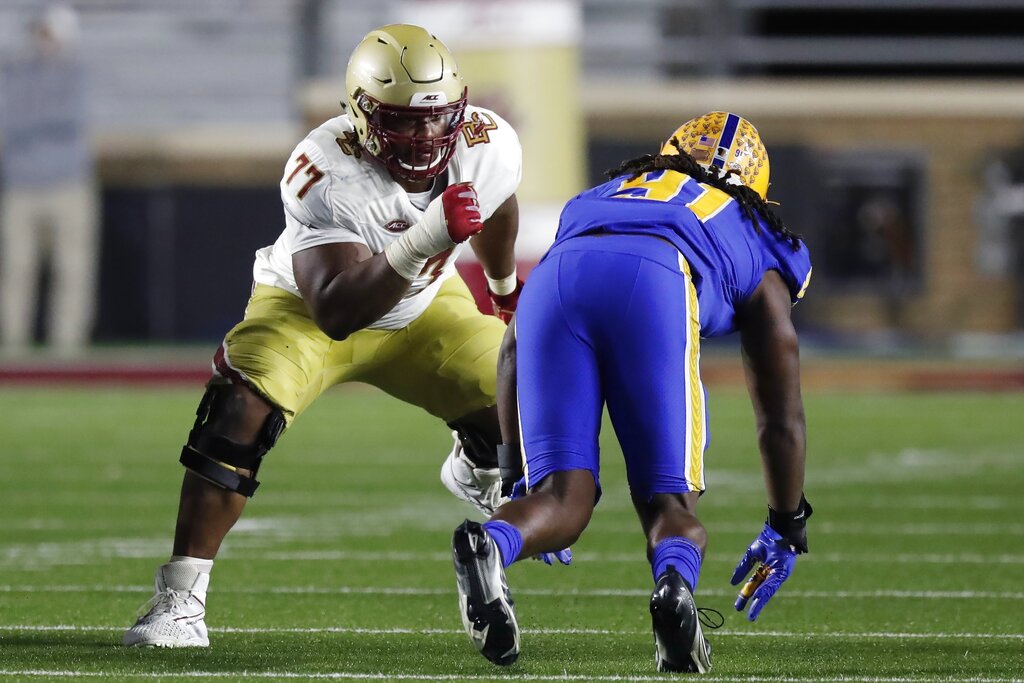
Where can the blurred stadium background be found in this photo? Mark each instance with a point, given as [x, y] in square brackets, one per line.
[896, 131]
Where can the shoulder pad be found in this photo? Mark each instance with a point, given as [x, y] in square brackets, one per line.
[488, 155]
[328, 176]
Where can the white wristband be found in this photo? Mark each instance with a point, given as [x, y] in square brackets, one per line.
[402, 258]
[505, 285]
[409, 253]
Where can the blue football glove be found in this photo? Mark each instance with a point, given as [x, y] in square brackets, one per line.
[518, 489]
[777, 558]
[563, 556]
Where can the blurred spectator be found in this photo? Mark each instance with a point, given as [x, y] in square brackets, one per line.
[48, 202]
[888, 245]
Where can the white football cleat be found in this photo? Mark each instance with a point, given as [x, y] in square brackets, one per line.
[478, 486]
[174, 617]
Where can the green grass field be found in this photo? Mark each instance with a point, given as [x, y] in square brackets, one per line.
[340, 568]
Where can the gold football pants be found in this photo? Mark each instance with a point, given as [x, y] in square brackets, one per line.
[444, 361]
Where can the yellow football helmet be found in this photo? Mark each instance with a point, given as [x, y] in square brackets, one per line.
[729, 143]
[398, 75]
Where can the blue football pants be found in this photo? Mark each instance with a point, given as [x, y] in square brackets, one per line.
[612, 319]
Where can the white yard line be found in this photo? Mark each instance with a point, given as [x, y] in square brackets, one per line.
[849, 528]
[837, 635]
[102, 551]
[379, 676]
[278, 527]
[596, 592]
[842, 558]
[545, 592]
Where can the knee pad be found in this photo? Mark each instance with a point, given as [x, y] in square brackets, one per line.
[217, 458]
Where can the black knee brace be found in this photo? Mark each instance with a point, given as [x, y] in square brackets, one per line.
[217, 458]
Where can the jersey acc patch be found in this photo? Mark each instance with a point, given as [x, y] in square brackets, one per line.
[396, 226]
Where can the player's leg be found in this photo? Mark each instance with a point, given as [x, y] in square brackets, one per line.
[508, 452]
[20, 255]
[471, 471]
[560, 415]
[239, 419]
[552, 517]
[75, 262]
[657, 406]
[444, 362]
[234, 429]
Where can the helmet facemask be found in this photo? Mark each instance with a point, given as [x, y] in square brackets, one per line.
[392, 134]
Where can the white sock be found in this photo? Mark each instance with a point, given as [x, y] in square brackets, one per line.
[204, 566]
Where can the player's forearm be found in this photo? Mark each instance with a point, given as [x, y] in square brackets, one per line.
[358, 297]
[773, 380]
[783, 449]
[495, 245]
[497, 258]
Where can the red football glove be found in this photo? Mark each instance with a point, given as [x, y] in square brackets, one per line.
[505, 304]
[461, 212]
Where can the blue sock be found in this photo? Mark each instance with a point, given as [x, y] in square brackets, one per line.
[507, 538]
[681, 553]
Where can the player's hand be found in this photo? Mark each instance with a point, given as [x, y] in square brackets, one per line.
[777, 559]
[461, 212]
[564, 556]
[449, 219]
[504, 305]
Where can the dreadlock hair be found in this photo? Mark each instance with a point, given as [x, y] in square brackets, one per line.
[751, 203]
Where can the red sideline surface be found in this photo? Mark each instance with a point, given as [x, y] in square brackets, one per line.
[90, 373]
[852, 375]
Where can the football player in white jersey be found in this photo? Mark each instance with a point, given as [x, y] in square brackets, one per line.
[361, 285]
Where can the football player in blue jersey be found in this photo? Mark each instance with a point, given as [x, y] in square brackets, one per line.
[677, 246]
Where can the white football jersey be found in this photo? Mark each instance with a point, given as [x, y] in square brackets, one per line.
[333, 192]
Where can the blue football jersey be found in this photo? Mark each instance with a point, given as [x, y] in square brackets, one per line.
[728, 255]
